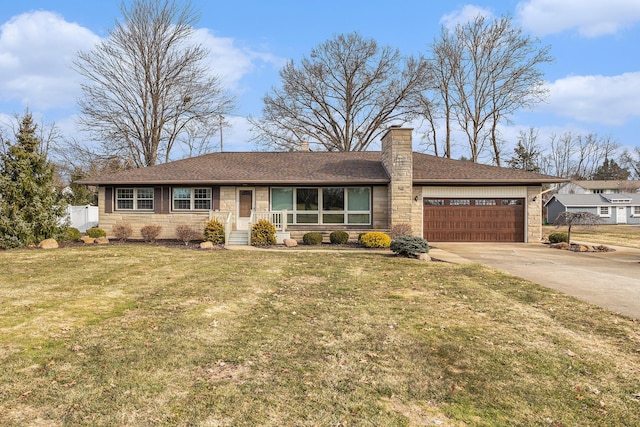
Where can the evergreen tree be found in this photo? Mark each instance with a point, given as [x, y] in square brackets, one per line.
[30, 208]
[611, 170]
[525, 158]
[80, 195]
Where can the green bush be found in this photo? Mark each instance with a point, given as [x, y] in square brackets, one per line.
[71, 234]
[150, 232]
[122, 231]
[375, 239]
[214, 232]
[409, 246]
[312, 238]
[558, 237]
[263, 233]
[96, 232]
[339, 237]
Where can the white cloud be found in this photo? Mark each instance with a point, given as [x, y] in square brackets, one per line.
[467, 14]
[36, 52]
[591, 18]
[231, 62]
[609, 100]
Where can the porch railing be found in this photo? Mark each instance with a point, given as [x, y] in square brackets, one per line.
[225, 218]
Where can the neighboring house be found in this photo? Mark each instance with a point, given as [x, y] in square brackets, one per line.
[611, 208]
[599, 187]
[442, 199]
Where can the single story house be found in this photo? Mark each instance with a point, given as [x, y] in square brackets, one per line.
[599, 187]
[441, 199]
[611, 208]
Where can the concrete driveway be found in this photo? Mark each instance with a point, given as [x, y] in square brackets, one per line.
[608, 279]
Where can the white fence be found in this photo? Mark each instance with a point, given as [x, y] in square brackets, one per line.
[82, 217]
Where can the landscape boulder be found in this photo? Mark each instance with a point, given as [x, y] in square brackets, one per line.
[290, 243]
[48, 244]
[102, 241]
[206, 245]
[424, 257]
[88, 240]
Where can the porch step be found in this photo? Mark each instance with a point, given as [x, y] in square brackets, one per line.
[238, 238]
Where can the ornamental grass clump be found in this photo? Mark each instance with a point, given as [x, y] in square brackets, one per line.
[150, 232]
[214, 232]
[312, 238]
[122, 231]
[375, 239]
[186, 234]
[409, 246]
[263, 233]
[339, 237]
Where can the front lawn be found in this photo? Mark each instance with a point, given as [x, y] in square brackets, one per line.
[619, 235]
[147, 336]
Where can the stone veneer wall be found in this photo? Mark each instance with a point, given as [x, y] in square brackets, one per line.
[534, 214]
[137, 220]
[397, 159]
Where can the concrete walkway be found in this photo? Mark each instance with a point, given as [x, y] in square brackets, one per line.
[608, 279]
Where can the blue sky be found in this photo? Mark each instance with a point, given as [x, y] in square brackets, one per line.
[594, 81]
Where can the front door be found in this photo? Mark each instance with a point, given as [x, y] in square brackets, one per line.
[244, 205]
[621, 215]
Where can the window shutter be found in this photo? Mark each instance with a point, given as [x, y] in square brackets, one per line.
[157, 200]
[215, 196]
[108, 199]
[166, 200]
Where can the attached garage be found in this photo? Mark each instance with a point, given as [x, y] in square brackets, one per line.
[474, 219]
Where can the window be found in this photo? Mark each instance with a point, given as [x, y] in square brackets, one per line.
[604, 211]
[434, 202]
[327, 205]
[134, 199]
[636, 211]
[485, 202]
[191, 199]
[460, 202]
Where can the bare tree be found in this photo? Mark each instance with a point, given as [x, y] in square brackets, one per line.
[491, 71]
[340, 97]
[576, 156]
[147, 81]
[631, 159]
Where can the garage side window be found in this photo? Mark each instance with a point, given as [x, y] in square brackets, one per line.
[604, 211]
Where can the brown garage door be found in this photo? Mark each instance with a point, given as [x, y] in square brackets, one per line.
[473, 220]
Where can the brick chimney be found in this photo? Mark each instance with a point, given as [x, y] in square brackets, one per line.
[397, 159]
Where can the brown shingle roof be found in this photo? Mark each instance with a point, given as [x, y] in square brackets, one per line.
[312, 168]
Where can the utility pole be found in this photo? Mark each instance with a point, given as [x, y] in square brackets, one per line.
[221, 118]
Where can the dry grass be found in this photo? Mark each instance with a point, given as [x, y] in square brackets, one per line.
[617, 235]
[136, 335]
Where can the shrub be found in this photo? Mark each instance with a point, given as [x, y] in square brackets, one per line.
[71, 235]
[186, 234]
[558, 237]
[409, 246]
[96, 232]
[375, 239]
[339, 237]
[312, 238]
[263, 233]
[400, 230]
[214, 232]
[122, 231]
[150, 232]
